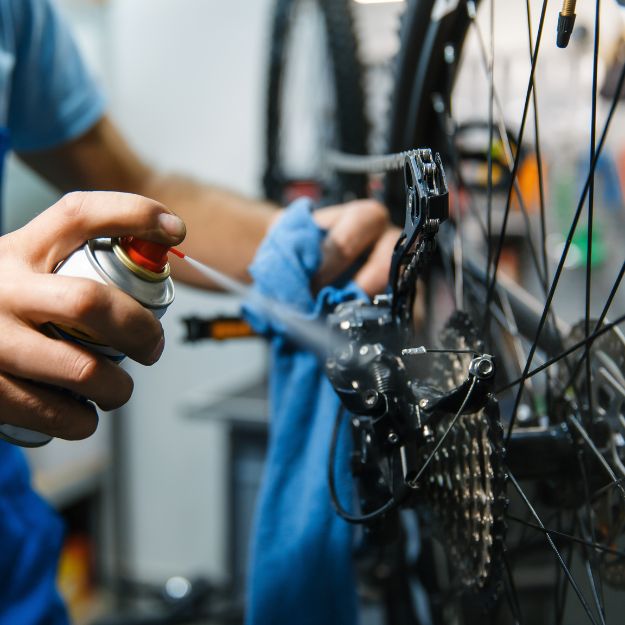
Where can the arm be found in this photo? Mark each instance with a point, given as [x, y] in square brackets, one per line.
[223, 228]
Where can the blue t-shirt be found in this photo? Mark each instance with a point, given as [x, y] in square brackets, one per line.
[46, 94]
[46, 99]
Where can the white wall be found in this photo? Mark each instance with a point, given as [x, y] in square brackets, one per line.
[187, 89]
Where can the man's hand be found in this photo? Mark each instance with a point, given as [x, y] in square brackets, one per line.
[354, 228]
[31, 296]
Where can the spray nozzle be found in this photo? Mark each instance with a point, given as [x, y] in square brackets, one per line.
[147, 254]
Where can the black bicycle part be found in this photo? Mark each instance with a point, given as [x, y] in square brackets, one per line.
[547, 455]
[216, 328]
[200, 601]
[413, 117]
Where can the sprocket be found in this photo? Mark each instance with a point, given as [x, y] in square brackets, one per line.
[607, 428]
[466, 484]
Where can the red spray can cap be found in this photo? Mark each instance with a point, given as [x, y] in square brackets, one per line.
[147, 254]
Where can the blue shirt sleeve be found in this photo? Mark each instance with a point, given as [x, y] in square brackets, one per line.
[31, 535]
[53, 97]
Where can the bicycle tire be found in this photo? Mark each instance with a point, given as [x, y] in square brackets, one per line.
[418, 72]
[351, 122]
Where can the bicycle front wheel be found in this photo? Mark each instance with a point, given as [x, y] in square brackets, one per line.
[315, 101]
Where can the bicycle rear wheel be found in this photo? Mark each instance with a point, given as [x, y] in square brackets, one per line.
[563, 422]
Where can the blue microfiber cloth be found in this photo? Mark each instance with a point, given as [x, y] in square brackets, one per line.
[301, 569]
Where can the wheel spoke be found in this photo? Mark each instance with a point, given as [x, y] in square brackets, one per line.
[490, 70]
[541, 188]
[513, 597]
[587, 342]
[593, 586]
[539, 160]
[565, 569]
[597, 589]
[458, 262]
[607, 488]
[516, 337]
[567, 537]
[444, 120]
[602, 316]
[562, 587]
[591, 558]
[598, 455]
[517, 157]
[510, 161]
[567, 245]
[591, 198]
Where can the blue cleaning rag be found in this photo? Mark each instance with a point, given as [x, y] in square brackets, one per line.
[301, 569]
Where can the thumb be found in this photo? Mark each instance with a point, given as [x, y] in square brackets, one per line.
[76, 217]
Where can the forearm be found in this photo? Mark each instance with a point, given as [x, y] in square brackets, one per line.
[224, 229]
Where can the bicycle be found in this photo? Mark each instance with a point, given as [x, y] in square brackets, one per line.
[527, 471]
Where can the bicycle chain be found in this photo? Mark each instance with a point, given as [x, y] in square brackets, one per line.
[381, 163]
[424, 250]
[426, 208]
[365, 164]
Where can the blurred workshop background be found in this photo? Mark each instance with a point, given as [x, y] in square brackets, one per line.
[166, 486]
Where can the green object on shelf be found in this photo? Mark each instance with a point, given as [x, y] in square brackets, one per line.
[565, 201]
[598, 251]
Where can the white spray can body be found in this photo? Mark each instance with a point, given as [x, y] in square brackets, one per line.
[139, 268]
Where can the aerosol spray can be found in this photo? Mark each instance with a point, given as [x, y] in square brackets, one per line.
[137, 267]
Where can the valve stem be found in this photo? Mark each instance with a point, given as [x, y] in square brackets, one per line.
[566, 20]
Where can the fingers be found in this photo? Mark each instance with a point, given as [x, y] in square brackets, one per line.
[352, 229]
[45, 410]
[373, 275]
[106, 315]
[30, 355]
[79, 216]
[42, 379]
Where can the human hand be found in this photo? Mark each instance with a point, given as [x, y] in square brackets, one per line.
[31, 296]
[353, 228]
